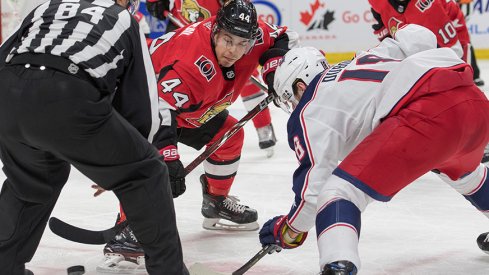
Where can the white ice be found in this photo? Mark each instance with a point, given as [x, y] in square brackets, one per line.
[427, 228]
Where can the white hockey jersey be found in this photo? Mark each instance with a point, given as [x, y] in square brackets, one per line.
[342, 105]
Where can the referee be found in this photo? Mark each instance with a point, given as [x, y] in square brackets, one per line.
[77, 87]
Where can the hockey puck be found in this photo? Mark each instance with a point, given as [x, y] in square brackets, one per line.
[76, 270]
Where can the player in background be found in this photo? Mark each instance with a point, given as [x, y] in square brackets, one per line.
[202, 68]
[466, 7]
[78, 88]
[192, 11]
[443, 18]
[392, 114]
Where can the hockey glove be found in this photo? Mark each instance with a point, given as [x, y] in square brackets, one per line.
[275, 231]
[269, 61]
[157, 8]
[379, 28]
[175, 170]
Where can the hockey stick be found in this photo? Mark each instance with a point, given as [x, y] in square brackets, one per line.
[233, 130]
[201, 269]
[268, 249]
[81, 235]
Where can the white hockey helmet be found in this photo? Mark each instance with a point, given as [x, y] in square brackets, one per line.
[299, 64]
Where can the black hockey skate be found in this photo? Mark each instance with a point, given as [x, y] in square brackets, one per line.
[340, 268]
[483, 242]
[123, 254]
[266, 139]
[215, 208]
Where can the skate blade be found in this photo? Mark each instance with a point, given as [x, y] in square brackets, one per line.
[200, 269]
[116, 264]
[216, 224]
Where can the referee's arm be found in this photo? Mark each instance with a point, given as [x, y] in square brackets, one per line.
[136, 98]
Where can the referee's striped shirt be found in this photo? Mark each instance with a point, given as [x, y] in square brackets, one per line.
[102, 38]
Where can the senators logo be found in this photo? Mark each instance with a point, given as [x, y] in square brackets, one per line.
[423, 5]
[206, 67]
[193, 12]
[215, 109]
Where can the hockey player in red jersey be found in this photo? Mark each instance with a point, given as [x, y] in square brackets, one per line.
[390, 115]
[192, 11]
[202, 69]
[443, 18]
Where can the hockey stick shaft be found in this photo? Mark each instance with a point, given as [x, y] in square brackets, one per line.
[233, 130]
[264, 251]
[180, 24]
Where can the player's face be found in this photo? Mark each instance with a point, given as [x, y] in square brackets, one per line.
[230, 48]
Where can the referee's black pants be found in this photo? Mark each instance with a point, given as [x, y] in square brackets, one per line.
[49, 120]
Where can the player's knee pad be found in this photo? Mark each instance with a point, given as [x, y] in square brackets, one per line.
[338, 188]
[340, 204]
[474, 186]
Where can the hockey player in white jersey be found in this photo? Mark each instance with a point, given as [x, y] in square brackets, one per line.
[391, 114]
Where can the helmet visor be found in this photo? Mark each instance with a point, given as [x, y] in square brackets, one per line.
[233, 42]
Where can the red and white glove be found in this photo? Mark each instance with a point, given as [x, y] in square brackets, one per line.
[382, 33]
[176, 170]
[276, 231]
[269, 61]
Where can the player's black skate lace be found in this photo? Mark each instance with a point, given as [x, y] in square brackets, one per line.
[340, 268]
[266, 137]
[225, 207]
[126, 245]
[483, 242]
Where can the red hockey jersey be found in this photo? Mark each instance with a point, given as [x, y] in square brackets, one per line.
[444, 18]
[190, 78]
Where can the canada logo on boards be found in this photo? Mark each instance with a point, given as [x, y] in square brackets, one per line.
[316, 17]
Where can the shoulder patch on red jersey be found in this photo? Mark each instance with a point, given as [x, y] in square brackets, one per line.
[259, 39]
[394, 24]
[206, 67]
